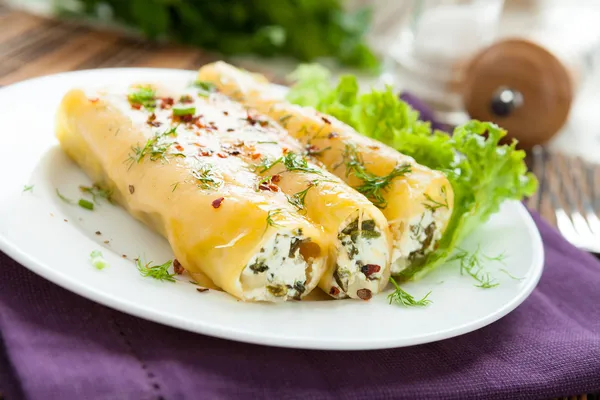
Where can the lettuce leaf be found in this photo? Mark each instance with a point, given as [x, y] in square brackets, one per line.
[483, 172]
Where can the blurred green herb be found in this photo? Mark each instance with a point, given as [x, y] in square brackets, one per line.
[306, 30]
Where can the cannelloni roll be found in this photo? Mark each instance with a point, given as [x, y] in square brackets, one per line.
[358, 233]
[151, 150]
[416, 200]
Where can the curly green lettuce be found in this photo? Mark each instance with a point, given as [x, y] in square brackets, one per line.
[483, 172]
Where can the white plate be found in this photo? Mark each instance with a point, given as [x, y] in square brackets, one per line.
[33, 231]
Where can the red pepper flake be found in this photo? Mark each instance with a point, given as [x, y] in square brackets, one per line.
[285, 150]
[217, 203]
[177, 267]
[202, 290]
[66, 220]
[98, 233]
[186, 98]
[373, 147]
[255, 156]
[221, 155]
[136, 106]
[328, 122]
[333, 135]
[225, 113]
[152, 120]
[166, 103]
[276, 178]
[183, 118]
[131, 189]
[230, 129]
[263, 124]
[364, 294]
[205, 153]
[369, 270]
[271, 187]
[124, 255]
[179, 147]
[334, 291]
[94, 100]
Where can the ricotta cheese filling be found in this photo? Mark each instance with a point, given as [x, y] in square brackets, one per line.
[417, 238]
[279, 271]
[362, 257]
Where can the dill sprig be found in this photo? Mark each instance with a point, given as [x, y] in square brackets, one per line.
[63, 198]
[144, 96]
[401, 297]
[204, 88]
[270, 217]
[291, 161]
[511, 276]
[472, 265]
[28, 188]
[298, 199]
[372, 186]
[96, 191]
[154, 148]
[159, 272]
[174, 186]
[206, 177]
[433, 205]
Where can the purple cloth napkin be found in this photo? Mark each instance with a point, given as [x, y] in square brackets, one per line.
[58, 345]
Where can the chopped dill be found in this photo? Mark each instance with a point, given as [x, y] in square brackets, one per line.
[154, 148]
[96, 191]
[270, 220]
[63, 198]
[144, 96]
[159, 272]
[372, 186]
[471, 264]
[298, 199]
[194, 283]
[28, 188]
[88, 205]
[284, 119]
[432, 205]
[183, 111]
[401, 297]
[267, 142]
[206, 178]
[291, 161]
[174, 186]
[204, 88]
[511, 276]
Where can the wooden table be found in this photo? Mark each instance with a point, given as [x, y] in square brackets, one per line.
[32, 46]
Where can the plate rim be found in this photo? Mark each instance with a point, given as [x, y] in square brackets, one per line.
[41, 268]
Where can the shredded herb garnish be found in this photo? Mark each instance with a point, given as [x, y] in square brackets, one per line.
[206, 178]
[270, 215]
[174, 186]
[511, 276]
[96, 191]
[154, 148]
[159, 272]
[144, 96]
[291, 161]
[28, 188]
[204, 88]
[63, 198]
[98, 260]
[267, 142]
[432, 205]
[401, 297]
[88, 205]
[298, 199]
[471, 264]
[182, 111]
[372, 186]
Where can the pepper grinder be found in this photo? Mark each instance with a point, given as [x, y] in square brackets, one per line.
[522, 87]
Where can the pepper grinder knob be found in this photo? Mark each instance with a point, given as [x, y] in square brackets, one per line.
[505, 100]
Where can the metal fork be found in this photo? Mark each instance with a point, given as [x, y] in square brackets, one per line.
[570, 186]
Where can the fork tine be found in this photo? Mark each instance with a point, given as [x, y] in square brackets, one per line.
[579, 222]
[563, 222]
